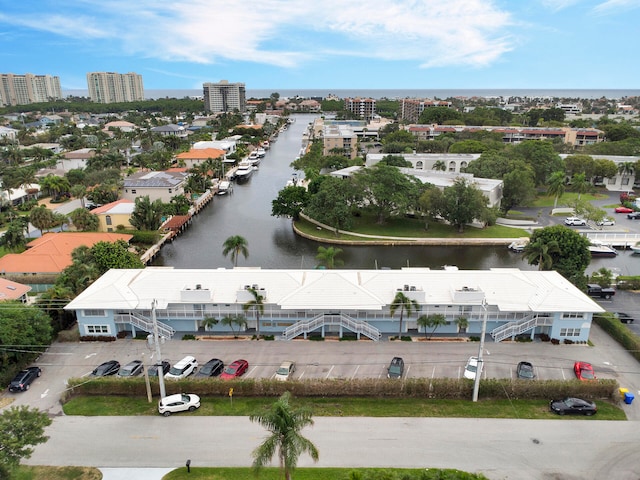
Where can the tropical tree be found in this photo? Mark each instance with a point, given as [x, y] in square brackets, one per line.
[439, 165]
[290, 202]
[42, 218]
[580, 184]
[404, 303]
[20, 429]
[79, 191]
[232, 321]
[257, 304]
[14, 236]
[84, 220]
[327, 256]
[147, 215]
[284, 424]
[462, 203]
[555, 186]
[431, 321]
[540, 253]
[235, 245]
[462, 323]
[626, 169]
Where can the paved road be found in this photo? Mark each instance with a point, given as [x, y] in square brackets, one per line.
[501, 449]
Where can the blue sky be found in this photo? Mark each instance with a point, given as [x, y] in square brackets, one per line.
[365, 44]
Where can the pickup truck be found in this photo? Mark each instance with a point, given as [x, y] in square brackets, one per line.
[594, 290]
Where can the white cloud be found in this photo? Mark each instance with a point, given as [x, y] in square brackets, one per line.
[557, 5]
[615, 6]
[287, 33]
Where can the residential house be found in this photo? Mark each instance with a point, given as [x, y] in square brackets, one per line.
[228, 145]
[47, 120]
[197, 156]
[8, 133]
[507, 302]
[156, 185]
[171, 130]
[114, 214]
[13, 291]
[77, 159]
[119, 125]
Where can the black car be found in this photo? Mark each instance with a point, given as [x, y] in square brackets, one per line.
[623, 317]
[107, 368]
[212, 368]
[396, 368]
[573, 406]
[633, 215]
[525, 371]
[153, 369]
[23, 379]
[131, 369]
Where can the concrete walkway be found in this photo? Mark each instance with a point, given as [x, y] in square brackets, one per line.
[134, 473]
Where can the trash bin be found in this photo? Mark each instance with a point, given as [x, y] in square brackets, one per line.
[628, 398]
[622, 392]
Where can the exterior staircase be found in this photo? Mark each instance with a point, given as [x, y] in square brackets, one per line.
[512, 329]
[356, 326]
[144, 323]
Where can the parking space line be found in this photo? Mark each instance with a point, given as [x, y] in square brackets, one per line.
[407, 373]
[302, 375]
[355, 372]
[329, 372]
[433, 374]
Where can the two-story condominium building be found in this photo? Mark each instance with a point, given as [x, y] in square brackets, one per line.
[364, 108]
[156, 185]
[412, 108]
[111, 87]
[299, 302]
[28, 88]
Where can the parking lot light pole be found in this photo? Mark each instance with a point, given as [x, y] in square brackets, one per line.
[156, 340]
[476, 382]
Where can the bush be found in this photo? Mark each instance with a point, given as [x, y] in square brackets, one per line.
[568, 341]
[619, 332]
[189, 336]
[97, 338]
[555, 341]
[473, 338]
[628, 282]
[122, 334]
[316, 337]
[145, 237]
[544, 337]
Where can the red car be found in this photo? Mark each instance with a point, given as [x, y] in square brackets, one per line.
[584, 371]
[623, 210]
[234, 369]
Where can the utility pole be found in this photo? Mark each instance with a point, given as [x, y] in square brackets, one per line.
[476, 382]
[156, 340]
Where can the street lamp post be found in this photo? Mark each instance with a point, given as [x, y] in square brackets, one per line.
[476, 382]
[156, 340]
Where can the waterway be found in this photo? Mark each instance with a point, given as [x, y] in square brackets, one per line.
[273, 244]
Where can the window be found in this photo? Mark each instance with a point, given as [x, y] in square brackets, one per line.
[133, 191]
[625, 181]
[91, 329]
[572, 315]
[94, 313]
[569, 332]
[108, 218]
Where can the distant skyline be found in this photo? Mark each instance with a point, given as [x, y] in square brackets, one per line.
[333, 44]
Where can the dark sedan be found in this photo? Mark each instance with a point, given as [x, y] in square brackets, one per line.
[573, 406]
[633, 215]
[212, 368]
[131, 369]
[23, 379]
[153, 369]
[525, 371]
[107, 368]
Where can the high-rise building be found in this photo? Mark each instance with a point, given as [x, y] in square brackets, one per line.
[362, 107]
[28, 88]
[110, 87]
[412, 108]
[224, 97]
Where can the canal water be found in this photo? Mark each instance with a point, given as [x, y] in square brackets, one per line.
[273, 244]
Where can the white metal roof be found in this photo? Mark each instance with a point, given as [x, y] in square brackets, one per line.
[510, 290]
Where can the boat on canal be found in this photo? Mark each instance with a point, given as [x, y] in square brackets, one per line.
[599, 249]
[243, 172]
[224, 187]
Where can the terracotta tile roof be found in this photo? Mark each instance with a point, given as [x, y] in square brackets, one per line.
[12, 290]
[201, 154]
[51, 253]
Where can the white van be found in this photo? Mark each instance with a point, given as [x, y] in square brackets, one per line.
[183, 368]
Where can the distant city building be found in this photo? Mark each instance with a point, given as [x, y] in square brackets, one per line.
[224, 97]
[412, 108]
[28, 88]
[364, 108]
[341, 140]
[109, 87]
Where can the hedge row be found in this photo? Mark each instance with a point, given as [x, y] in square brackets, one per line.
[619, 332]
[437, 388]
[628, 282]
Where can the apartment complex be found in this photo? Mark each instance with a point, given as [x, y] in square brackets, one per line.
[362, 107]
[28, 88]
[340, 139]
[224, 97]
[110, 87]
[412, 108]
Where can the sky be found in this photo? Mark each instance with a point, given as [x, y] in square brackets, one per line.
[340, 44]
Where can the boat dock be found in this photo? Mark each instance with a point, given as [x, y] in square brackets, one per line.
[616, 240]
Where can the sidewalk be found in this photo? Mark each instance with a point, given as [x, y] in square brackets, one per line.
[137, 473]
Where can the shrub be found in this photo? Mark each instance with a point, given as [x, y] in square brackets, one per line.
[620, 333]
[122, 334]
[189, 336]
[145, 237]
[268, 337]
[568, 341]
[544, 337]
[97, 338]
[316, 337]
[555, 341]
[406, 338]
[473, 338]
[628, 282]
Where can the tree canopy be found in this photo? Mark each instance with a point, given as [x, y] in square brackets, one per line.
[21, 428]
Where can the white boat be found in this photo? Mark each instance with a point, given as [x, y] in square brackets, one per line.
[599, 249]
[254, 155]
[517, 246]
[243, 172]
[266, 145]
[224, 187]
[635, 249]
[261, 152]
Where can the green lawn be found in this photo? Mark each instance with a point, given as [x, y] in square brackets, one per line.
[338, 407]
[568, 197]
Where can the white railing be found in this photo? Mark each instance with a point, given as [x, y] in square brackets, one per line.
[144, 323]
[345, 321]
[512, 329]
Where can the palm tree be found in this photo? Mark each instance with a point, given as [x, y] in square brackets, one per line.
[284, 423]
[257, 304]
[431, 321]
[235, 245]
[327, 256]
[404, 303]
[462, 323]
[579, 183]
[540, 253]
[231, 320]
[555, 186]
[439, 165]
[626, 168]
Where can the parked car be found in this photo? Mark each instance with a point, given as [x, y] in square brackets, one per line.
[633, 215]
[525, 371]
[285, 371]
[584, 371]
[183, 368]
[595, 290]
[107, 368]
[180, 402]
[573, 406]
[24, 378]
[131, 369]
[235, 369]
[574, 221]
[212, 368]
[396, 368]
[152, 371]
[471, 368]
[623, 317]
[623, 210]
[606, 222]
